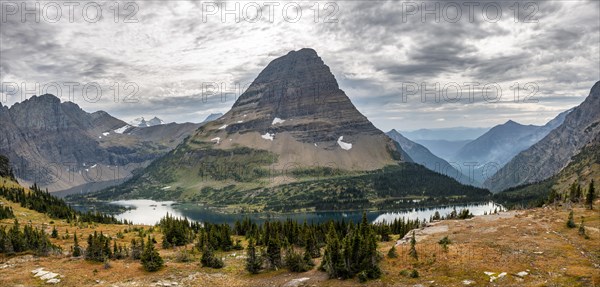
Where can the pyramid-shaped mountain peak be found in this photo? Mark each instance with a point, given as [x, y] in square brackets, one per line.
[297, 69]
[298, 94]
[296, 109]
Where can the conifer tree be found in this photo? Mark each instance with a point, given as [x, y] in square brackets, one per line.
[76, 247]
[392, 253]
[591, 194]
[294, 261]
[274, 253]
[253, 260]
[54, 232]
[308, 259]
[333, 262]
[311, 246]
[570, 221]
[413, 249]
[151, 260]
[444, 243]
[209, 259]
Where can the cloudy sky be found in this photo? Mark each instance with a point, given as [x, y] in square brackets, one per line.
[392, 58]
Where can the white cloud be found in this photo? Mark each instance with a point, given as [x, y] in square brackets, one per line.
[171, 52]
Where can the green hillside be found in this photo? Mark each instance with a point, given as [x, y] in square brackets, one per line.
[583, 167]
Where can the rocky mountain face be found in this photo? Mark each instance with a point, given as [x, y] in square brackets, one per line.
[421, 155]
[295, 109]
[496, 147]
[293, 122]
[60, 146]
[580, 128]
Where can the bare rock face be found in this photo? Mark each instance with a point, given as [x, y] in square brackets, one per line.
[60, 146]
[550, 155]
[296, 109]
[299, 89]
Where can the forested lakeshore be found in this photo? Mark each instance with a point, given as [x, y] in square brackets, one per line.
[252, 252]
[42, 201]
[345, 249]
[341, 249]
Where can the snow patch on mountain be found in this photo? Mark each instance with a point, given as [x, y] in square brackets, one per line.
[122, 129]
[277, 121]
[344, 145]
[268, 136]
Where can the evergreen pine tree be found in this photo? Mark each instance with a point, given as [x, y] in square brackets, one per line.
[333, 262]
[444, 243]
[392, 253]
[308, 259]
[311, 246]
[76, 247]
[570, 221]
[209, 259]
[591, 194]
[413, 249]
[274, 253]
[573, 192]
[294, 261]
[54, 232]
[253, 260]
[151, 260]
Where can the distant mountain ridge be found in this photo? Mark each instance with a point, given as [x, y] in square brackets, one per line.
[421, 155]
[449, 134]
[60, 146]
[501, 143]
[212, 117]
[580, 128]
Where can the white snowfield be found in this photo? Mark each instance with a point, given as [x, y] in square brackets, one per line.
[105, 134]
[344, 145]
[277, 121]
[268, 136]
[223, 127]
[122, 129]
[217, 139]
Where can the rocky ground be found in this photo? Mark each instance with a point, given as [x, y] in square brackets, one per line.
[517, 248]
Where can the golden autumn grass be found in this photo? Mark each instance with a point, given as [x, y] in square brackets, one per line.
[535, 240]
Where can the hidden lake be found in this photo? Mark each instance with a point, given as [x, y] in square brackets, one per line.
[149, 212]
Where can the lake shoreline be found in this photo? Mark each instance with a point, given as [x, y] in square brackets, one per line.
[150, 211]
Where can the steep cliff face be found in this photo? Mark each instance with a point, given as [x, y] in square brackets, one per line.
[581, 127]
[60, 146]
[295, 109]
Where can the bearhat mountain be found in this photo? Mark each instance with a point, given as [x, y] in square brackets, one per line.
[292, 125]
